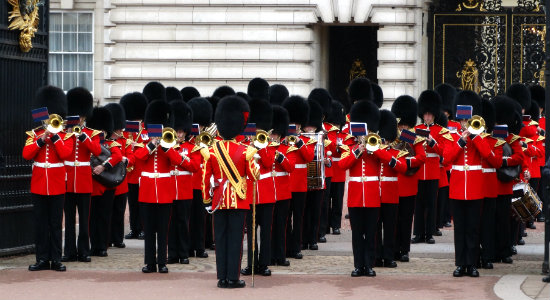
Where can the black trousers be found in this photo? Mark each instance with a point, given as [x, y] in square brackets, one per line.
[294, 226]
[133, 208]
[209, 230]
[228, 231]
[488, 229]
[278, 229]
[325, 204]
[100, 220]
[48, 217]
[156, 220]
[467, 216]
[503, 243]
[363, 230]
[336, 204]
[117, 219]
[442, 207]
[264, 219]
[516, 224]
[425, 210]
[77, 247]
[179, 238]
[405, 212]
[312, 215]
[385, 242]
[196, 223]
[536, 184]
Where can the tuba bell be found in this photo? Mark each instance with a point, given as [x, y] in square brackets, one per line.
[168, 139]
[372, 142]
[54, 124]
[476, 124]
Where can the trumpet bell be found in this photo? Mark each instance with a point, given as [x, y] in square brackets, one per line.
[261, 139]
[292, 139]
[168, 139]
[54, 123]
[476, 125]
[205, 139]
[77, 129]
[373, 142]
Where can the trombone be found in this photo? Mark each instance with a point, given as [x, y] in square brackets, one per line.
[476, 125]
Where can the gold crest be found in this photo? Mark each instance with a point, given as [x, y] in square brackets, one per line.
[24, 17]
[469, 76]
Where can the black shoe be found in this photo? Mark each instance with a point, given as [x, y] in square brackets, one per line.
[447, 224]
[369, 272]
[358, 272]
[65, 258]
[172, 260]
[202, 254]
[119, 245]
[322, 239]
[40, 265]
[486, 264]
[247, 271]
[390, 264]
[264, 271]
[438, 233]
[472, 272]
[222, 283]
[346, 216]
[514, 250]
[417, 239]
[378, 262]
[459, 272]
[58, 266]
[313, 247]
[336, 231]
[213, 246]
[282, 262]
[102, 253]
[304, 246]
[163, 269]
[404, 258]
[141, 235]
[521, 242]
[507, 260]
[184, 261]
[84, 259]
[531, 225]
[298, 255]
[235, 284]
[131, 235]
[430, 240]
[524, 234]
[149, 269]
[546, 279]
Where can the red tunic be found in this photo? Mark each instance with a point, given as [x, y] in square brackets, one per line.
[490, 164]
[183, 174]
[126, 151]
[330, 147]
[265, 186]
[282, 174]
[408, 185]
[140, 140]
[389, 185]
[301, 156]
[77, 165]
[48, 171]
[507, 188]
[116, 156]
[339, 174]
[441, 136]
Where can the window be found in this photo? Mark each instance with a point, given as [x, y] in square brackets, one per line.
[71, 61]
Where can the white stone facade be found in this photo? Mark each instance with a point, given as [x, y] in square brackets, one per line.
[208, 43]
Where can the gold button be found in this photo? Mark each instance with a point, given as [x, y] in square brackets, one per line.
[77, 163]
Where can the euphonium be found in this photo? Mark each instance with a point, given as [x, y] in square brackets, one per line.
[372, 142]
[168, 139]
[54, 123]
[476, 125]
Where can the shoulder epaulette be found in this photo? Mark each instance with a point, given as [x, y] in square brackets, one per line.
[128, 142]
[250, 152]
[533, 123]
[383, 147]
[443, 130]
[311, 141]
[95, 132]
[140, 145]
[196, 148]
[68, 136]
[402, 153]
[541, 138]
[514, 138]
[349, 136]
[30, 133]
[290, 149]
[419, 139]
[327, 142]
[527, 140]
[274, 144]
[448, 136]
[484, 134]
[347, 118]
[333, 128]
[500, 143]
[115, 144]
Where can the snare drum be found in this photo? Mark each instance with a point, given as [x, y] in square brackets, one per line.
[526, 204]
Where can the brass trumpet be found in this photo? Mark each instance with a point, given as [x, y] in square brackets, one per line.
[206, 137]
[372, 142]
[262, 137]
[54, 124]
[77, 129]
[476, 124]
[168, 139]
[292, 139]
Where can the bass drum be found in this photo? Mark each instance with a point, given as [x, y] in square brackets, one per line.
[526, 204]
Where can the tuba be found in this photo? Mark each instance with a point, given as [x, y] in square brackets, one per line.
[168, 139]
[54, 124]
[476, 124]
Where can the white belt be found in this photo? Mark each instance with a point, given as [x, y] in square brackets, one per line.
[336, 159]
[489, 170]
[278, 174]
[48, 165]
[467, 168]
[384, 178]
[363, 178]
[77, 163]
[432, 155]
[179, 173]
[300, 166]
[273, 174]
[155, 175]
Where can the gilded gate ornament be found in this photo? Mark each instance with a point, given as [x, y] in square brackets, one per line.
[24, 17]
[540, 74]
[471, 4]
[357, 70]
[469, 77]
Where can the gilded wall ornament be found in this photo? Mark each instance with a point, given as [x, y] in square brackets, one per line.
[469, 76]
[24, 17]
[471, 5]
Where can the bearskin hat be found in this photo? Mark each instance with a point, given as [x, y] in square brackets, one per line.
[118, 114]
[377, 95]
[277, 94]
[101, 119]
[366, 112]
[245, 96]
[189, 93]
[202, 111]
[134, 105]
[488, 114]
[258, 88]
[429, 101]
[521, 94]
[538, 94]
[154, 90]
[183, 115]
[173, 94]
[315, 116]
[323, 98]
[51, 97]
[214, 102]
[231, 116]
[442, 121]
[388, 126]
[223, 91]
[469, 98]
[261, 113]
[534, 111]
[280, 121]
[360, 89]
[337, 116]
[406, 109]
[298, 109]
[507, 114]
[447, 93]
[80, 102]
[159, 112]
